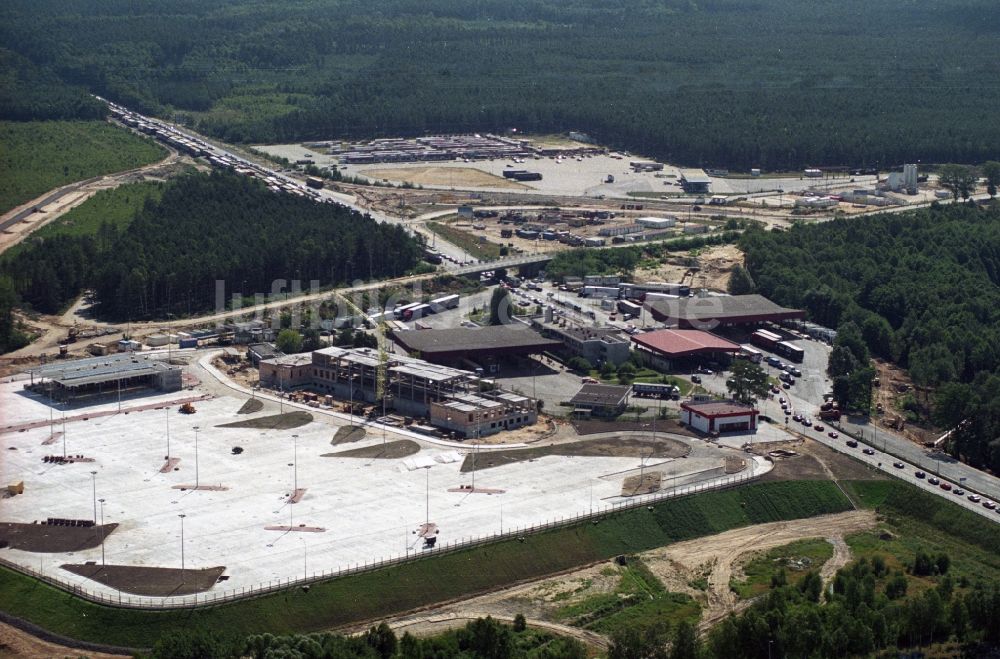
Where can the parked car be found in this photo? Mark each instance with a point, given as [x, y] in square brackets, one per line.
[898, 465]
[869, 451]
[989, 505]
[696, 379]
[852, 443]
[946, 486]
[818, 428]
[975, 498]
[959, 492]
[833, 434]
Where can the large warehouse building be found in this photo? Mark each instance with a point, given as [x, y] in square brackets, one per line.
[91, 378]
[482, 345]
[665, 349]
[707, 313]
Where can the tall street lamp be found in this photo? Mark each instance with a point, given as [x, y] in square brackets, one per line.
[103, 534]
[93, 481]
[182, 516]
[196, 481]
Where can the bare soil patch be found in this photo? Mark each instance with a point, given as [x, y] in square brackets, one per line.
[816, 461]
[619, 447]
[348, 435]
[595, 426]
[285, 421]
[637, 485]
[458, 177]
[51, 539]
[716, 267]
[149, 581]
[251, 406]
[390, 451]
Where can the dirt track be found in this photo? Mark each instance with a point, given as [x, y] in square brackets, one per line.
[16, 644]
[677, 564]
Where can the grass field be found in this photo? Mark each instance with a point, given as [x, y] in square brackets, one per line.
[117, 206]
[376, 594]
[796, 559]
[485, 251]
[37, 156]
[638, 601]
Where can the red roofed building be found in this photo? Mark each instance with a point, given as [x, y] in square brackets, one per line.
[719, 416]
[663, 348]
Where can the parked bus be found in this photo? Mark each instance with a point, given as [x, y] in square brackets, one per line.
[751, 354]
[789, 351]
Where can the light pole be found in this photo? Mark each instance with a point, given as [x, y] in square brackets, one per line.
[168, 431]
[197, 482]
[295, 465]
[103, 534]
[182, 516]
[93, 482]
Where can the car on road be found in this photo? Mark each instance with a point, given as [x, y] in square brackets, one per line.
[796, 372]
[946, 486]
[869, 451]
[807, 422]
[695, 379]
[989, 505]
[833, 434]
[898, 465]
[975, 498]
[818, 428]
[959, 492]
[852, 443]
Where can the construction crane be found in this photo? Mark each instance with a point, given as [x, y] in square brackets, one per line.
[381, 392]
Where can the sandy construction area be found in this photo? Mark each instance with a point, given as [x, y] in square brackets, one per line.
[457, 177]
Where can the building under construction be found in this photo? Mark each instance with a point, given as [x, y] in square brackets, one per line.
[414, 387]
[98, 376]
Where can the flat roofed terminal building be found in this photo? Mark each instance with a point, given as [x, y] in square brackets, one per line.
[719, 417]
[706, 313]
[480, 345]
[98, 376]
[600, 400]
[414, 387]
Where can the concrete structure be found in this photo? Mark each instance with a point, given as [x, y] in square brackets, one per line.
[482, 414]
[286, 372]
[695, 181]
[709, 312]
[595, 344]
[96, 376]
[600, 400]
[716, 417]
[656, 222]
[257, 352]
[484, 345]
[664, 349]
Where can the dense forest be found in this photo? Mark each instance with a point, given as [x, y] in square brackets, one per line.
[771, 83]
[204, 229]
[921, 289]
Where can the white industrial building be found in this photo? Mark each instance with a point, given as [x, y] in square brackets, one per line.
[656, 222]
[719, 416]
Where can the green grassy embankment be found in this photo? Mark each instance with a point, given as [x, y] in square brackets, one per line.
[435, 579]
[469, 242]
[38, 156]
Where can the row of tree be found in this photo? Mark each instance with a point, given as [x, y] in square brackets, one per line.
[207, 231]
[483, 638]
